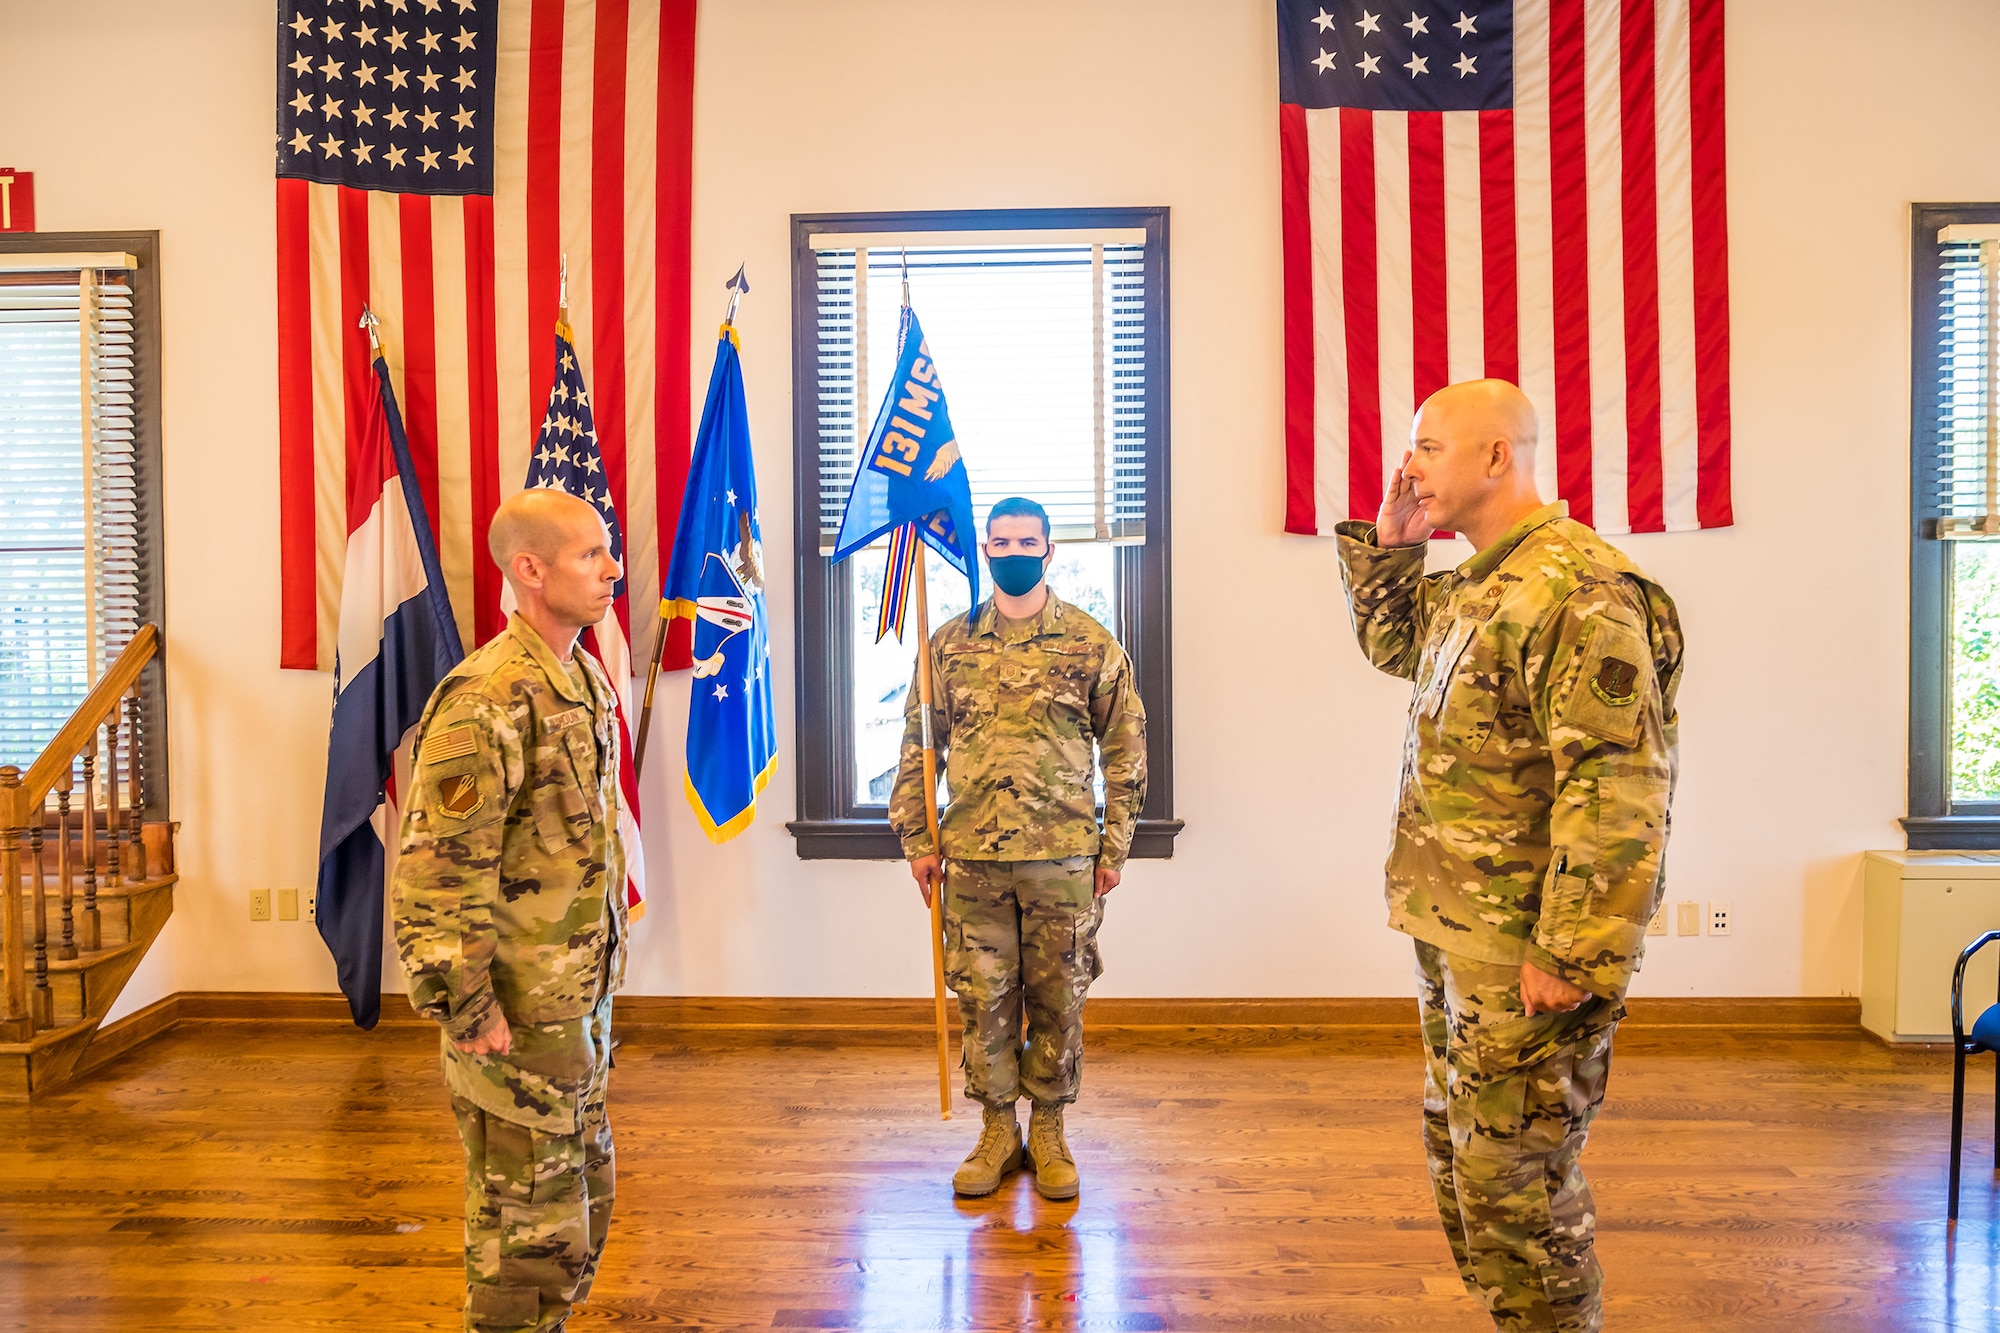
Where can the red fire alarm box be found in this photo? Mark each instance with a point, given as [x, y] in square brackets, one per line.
[17, 200]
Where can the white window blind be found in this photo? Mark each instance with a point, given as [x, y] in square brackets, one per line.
[68, 492]
[1041, 348]
[1967, 476]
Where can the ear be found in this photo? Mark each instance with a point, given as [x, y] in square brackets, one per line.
[527, 569]
[1502, 461]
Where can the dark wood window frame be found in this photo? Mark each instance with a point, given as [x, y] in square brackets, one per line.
[1935, 821]
[143, 246]
[830, 823]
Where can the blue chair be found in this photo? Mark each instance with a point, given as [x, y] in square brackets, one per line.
[1985, 1036]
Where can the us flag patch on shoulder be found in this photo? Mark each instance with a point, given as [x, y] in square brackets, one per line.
[454, 743]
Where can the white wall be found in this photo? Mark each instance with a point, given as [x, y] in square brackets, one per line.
[1795, 692]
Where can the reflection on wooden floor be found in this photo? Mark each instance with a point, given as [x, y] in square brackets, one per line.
[238, 1177]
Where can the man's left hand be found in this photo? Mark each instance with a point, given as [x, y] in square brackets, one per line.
[1107, 879]
[1542, 993]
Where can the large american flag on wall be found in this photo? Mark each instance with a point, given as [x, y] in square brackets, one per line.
[437, 161]
[1532, 191]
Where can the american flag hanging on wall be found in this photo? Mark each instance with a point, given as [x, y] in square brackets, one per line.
[436, 160]
[1532, 191]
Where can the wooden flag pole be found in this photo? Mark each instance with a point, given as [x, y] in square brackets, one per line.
[736, 286]
[652, 679]
[937, 843]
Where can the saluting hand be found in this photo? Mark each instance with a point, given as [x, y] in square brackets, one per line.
[1404, 519]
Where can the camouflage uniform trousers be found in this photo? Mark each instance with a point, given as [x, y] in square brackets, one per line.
[1022, 934]
[1508, 1102]
[537, 1209]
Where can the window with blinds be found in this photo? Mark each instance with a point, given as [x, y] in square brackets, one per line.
[1048, 328]
[1966, 470]
[70, 527]
[1042, 349]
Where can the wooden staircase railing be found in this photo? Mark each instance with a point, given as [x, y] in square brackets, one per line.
[72, 932]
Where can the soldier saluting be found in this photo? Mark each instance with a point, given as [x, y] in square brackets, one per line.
[509, 908]
[1026, 688]
[1538, 762]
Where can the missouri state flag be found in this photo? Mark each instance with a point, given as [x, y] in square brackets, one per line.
[717, 580]
[397, 641]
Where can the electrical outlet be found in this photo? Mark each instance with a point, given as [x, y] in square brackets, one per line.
[312, 904]
[1657, 925]
[1718, 918]
[260, 904]
[288, 904]
[1687, 918]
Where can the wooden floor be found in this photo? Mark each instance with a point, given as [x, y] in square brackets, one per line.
[234, 1176]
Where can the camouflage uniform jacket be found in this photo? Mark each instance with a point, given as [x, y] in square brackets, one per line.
[1014, 719]
[509, 887]
[1540, 753]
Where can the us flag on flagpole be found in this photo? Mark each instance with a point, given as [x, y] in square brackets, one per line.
[1532, 191]
[435, 161]
[567, 457]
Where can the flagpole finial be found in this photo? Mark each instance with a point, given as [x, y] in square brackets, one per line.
[373, 325]
[736, 286]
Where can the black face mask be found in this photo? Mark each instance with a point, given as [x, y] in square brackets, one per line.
[1017, 575]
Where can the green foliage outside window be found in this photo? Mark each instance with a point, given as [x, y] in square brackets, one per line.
[1975, 671]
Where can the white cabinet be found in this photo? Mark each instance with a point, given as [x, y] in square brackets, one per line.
[1919, 909]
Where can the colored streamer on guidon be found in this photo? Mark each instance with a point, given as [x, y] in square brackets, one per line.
[903, 547]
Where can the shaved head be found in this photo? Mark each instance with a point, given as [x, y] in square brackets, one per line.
[539, 522]
[1488, 409]
[1470, 469]
[556, 553]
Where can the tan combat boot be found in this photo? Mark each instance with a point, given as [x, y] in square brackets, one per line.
[1048, 1150]
[999, 1152]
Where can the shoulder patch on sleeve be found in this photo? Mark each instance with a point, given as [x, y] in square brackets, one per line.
[1607, 698]
[450, 743]
[459, 796]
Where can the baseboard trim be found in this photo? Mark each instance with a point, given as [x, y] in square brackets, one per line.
[833, 1015]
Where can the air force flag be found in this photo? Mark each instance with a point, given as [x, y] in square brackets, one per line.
[910, 469]
[717, 580]
[397, 641]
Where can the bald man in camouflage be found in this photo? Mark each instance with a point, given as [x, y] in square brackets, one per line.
[1538, 763]
[509, 908]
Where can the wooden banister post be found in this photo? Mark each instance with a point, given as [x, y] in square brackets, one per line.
[135, 791]
[89, 932]
[65, 868]
[113, 825]
[42, 1000]
[15, 1022]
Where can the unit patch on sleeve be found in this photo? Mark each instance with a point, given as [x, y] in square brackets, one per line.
[1616, 682]
[458, 796]
[1616, 676]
